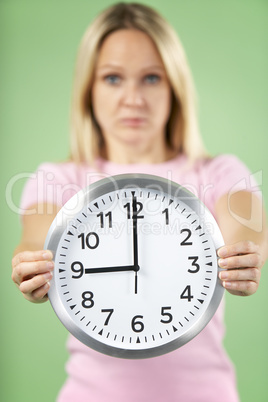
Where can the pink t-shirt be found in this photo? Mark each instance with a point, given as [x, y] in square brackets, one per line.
[200, 371]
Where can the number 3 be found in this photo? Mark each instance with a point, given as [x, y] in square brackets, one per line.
[194, 264]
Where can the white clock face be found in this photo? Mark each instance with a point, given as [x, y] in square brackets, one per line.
[136, 271]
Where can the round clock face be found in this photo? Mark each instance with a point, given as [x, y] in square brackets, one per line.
[136, 272]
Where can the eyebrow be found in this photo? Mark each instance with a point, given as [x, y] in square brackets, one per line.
[116, 66]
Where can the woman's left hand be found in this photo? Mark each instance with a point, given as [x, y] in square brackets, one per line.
[242, 263]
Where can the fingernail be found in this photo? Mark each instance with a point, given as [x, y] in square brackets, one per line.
[48, 276]
[222, 252]
[50, 265]
[222, 262]
[47, 256]
[223, 275]
[227, 285]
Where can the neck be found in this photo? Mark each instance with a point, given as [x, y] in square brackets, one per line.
[131, 156]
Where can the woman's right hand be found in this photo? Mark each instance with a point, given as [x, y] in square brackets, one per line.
[31, 272]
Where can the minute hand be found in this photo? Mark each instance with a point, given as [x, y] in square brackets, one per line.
[135, 239]
[110, 269]
[135, 233]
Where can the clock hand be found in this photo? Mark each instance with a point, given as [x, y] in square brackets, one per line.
[135, 239]
[111, 269]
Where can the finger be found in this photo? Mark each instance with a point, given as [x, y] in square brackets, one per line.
[242, 247]
[241, 288]
[240, 261]
[29, 269]
[39, 295]
[28, 256]
[248, 274]
[31, 285]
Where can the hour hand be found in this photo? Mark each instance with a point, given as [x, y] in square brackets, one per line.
[123, 268]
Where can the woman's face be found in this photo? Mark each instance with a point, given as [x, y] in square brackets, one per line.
[131, 98]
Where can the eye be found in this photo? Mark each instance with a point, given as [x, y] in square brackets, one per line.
[112, 79]
[152, 79]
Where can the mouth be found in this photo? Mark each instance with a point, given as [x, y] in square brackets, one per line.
[133, 121]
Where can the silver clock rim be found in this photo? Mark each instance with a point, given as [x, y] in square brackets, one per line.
[89, 194]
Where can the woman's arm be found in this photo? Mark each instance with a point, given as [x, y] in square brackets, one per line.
[242, 221]
[31, 265]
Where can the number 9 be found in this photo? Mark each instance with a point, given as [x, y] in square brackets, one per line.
[79, 270]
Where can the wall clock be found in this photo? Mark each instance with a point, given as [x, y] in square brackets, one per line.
[136, 271]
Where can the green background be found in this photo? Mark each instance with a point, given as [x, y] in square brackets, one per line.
[226, 43]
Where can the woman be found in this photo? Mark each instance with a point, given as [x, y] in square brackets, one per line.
[133, 111]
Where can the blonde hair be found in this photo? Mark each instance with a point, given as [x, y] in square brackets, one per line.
[182, 131]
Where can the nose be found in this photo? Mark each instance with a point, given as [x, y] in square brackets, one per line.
[133, 95]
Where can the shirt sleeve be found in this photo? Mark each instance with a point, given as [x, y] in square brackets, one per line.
[51, 183]
[226, 174]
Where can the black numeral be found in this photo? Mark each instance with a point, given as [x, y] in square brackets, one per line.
[185, 242]
[78, 268]
[101, 216]
[127, 206]
[91, 240]
[137, 208]
[186, 294]
[136, 325]
[194, 264]
[166, 212]
[167, 315]
[87, 301]
[110, 312]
